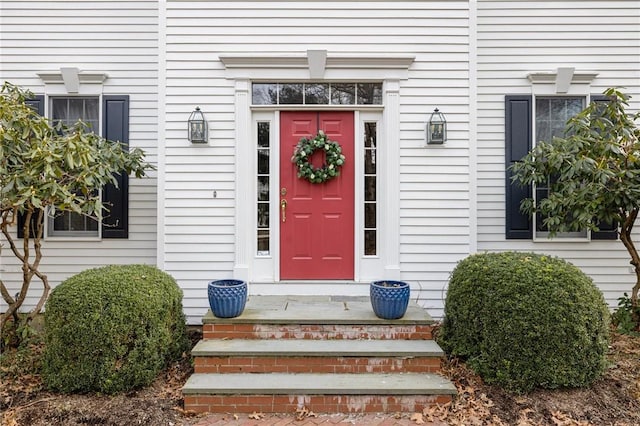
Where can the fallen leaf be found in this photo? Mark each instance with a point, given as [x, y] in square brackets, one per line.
[255, 416]
[417, 417]
[301, 413]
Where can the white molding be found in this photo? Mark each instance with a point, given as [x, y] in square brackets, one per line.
[243, 180]
[390, 181]
[84, 77]
[551, 77]
[563, 79]
[245, 69]
[292, 67]
[473, 127]
[71, 79]
[292, 61]
[162, 131]
[317, 63]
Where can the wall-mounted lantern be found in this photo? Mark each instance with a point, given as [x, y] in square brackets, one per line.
[198, 132]
[436, 128]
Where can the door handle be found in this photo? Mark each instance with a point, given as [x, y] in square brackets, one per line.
[283, 207]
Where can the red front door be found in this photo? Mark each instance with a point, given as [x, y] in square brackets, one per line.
[316, 228]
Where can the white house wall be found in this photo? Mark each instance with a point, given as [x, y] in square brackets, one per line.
[519, 37]
[199, 230]
[119, 38]
[468, 56]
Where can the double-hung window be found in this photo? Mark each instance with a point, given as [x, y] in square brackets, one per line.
[68, 111]
[529, 119]
[551, 117]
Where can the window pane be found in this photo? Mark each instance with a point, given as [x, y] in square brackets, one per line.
[343, 94]
[263, 215]
[59, 110]
[369, 94]
[263, 161]
[291, 93]
[61, 222]
[552, 115]
[370, 188]
[77, 222]
[370, 243]
[263, 135]
[264, 94]
[92, 225]
[370, 215]
[574, 106]
[91, 113]
[91, 110]
[76, 110]
[370, 162]
[263, 241]
[316, 94]
[370, 135]
[263, 188]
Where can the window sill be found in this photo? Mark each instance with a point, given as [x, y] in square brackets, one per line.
[70, 238]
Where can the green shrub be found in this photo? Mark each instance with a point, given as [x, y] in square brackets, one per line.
[112, 329]
[525, 320]
[626, 318]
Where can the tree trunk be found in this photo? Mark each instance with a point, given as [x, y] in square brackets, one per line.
[29, 269]
[625, 236]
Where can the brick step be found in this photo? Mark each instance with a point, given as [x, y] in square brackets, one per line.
[321, 393]
[316, 356]
[317, 331]
[316, 318]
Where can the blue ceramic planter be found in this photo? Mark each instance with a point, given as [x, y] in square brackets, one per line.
[389, 299]
[227, 298]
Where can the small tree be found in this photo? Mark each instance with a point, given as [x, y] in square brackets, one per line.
[46, 169]
[593, 174]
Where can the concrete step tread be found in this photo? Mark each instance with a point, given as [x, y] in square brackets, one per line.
[317, 310]
[317, 348]
[318, 384]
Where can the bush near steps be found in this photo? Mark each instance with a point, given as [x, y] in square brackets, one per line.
[112, 329]
[525, 320]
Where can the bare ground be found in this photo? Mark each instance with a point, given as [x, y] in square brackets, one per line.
[613, 400]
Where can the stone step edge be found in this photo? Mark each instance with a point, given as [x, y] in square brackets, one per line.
[318, 384]
[318, 348]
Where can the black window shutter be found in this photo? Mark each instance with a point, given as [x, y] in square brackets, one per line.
[608, 231]
[518, 138]
[37, 103]
[115, 125]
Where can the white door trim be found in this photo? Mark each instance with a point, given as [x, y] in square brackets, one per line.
[388, 69]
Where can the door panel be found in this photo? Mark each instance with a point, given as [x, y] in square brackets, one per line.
[317, 234]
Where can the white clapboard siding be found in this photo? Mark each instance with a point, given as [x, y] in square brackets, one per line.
[519, 37]
[119, 38]
[434, 182]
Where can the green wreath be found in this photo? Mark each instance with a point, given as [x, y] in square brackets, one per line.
[333, 157]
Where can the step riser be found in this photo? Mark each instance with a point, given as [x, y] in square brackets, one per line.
[316, 332]
[361, 365]
[315, 403]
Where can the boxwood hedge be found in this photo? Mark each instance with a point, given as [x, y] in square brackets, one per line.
[112, 329]
[525, 320]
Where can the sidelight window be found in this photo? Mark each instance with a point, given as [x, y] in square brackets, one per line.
[370, 189]
[263, 175]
